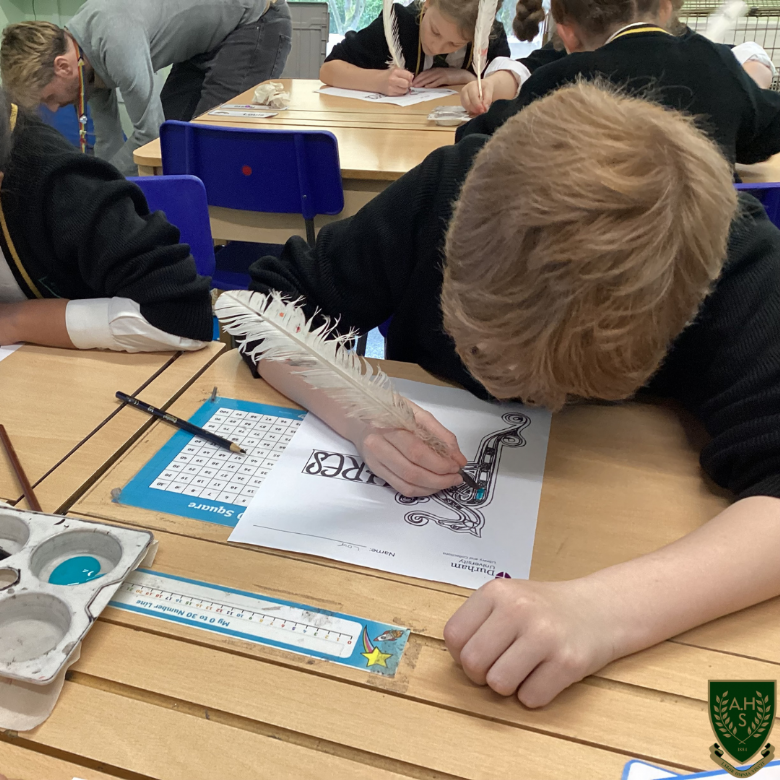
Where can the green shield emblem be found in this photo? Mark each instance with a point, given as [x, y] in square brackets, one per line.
[742, 715]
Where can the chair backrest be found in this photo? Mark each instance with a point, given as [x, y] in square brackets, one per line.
[183, 200]
[769, 195]
[282, 171]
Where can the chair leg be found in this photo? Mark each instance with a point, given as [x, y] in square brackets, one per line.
[361, 344]
[310, 237]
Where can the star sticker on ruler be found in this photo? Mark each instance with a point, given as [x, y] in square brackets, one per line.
[376, 656]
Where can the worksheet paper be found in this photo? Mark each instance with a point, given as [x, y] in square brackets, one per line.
[321, 499]
[412, 97]
[639, 770]
[8, 350]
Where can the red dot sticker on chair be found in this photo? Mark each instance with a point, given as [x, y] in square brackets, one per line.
[246, 170]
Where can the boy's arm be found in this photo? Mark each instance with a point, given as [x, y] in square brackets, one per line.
[537, 638]
[132, 260]
[37, 322]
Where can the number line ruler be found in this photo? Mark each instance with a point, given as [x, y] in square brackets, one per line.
[364, 644]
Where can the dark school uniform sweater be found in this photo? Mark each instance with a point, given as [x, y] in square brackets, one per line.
[367, 48]
[75, 228]
[387, 260]
[690, 74]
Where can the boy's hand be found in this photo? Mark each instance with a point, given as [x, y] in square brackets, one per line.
[533, 638]
[396, 81]
[439, 77]
[470, 100]
[405, 461]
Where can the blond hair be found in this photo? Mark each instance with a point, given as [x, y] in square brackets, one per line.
[27, 58]
[585, 238]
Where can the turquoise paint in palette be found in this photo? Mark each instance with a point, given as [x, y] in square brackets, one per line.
[76, 571]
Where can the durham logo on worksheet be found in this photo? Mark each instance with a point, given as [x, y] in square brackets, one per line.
[742, 714]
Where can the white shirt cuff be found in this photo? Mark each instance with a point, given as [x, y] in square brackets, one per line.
[517, 69]
[750, 50]
[117, 324]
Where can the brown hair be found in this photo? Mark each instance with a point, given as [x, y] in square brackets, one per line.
[27, 58]
[585, 238]
[596, 17]
[529, 16]
[463, 13]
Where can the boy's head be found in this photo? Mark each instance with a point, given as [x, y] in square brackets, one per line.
[585, 238]
[38, 63]
[448, 25]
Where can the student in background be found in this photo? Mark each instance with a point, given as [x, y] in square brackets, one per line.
[626, 43]
[633, 267]
[218, 48]
[82, 261]
[529, 17]
[435, 37]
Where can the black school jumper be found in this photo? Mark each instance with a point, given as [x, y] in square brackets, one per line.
[73, 227]
[690, 74]
[367, 48]
[387, 260]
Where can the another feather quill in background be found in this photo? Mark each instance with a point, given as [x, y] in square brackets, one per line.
[486, 15]
[282, 332]
[725, 20]
[391, 35]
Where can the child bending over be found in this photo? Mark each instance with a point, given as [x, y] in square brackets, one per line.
[633, 266]
[627, 43]
[435, 37]
[82, 261]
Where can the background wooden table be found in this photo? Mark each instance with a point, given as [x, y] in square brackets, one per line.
[153, 699]
[378, 143]
[59, 408]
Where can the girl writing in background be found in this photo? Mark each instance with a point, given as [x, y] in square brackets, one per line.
[436, 38]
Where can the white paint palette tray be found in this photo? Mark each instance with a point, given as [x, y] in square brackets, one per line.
[56, 576]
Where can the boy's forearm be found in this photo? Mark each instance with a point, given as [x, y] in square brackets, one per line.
[345, 75]
[726, 565]
[282, 377]
[37, 322]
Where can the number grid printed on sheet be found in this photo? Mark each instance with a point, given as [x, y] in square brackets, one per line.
[195, 478]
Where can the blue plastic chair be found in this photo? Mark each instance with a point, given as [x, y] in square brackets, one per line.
[277, 171]
[183, 201]
[769, 195]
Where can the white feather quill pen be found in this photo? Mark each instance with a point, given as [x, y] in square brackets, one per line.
[390, 21]
[283, 333]
[724, 20]
[486, 15]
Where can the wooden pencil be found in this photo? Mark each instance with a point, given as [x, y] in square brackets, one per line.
[27, 489]
[184, 425]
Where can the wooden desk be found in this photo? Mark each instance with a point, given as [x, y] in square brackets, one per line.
[767, 171]
[152, 699]
[59, 408]
[377, 145]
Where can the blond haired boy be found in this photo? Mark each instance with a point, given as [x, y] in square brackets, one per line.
[595, 246]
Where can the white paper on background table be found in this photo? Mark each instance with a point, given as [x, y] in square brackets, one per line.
[8, 350]
[412, 97]
[251, 114]
[322, 500]
[640, 770]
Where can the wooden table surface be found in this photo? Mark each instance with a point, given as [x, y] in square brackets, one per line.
[154, 699]
[59, 409]
[378, 144]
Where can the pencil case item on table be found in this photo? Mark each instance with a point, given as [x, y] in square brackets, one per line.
[449, 116]
[272, 94]
[57, 574]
